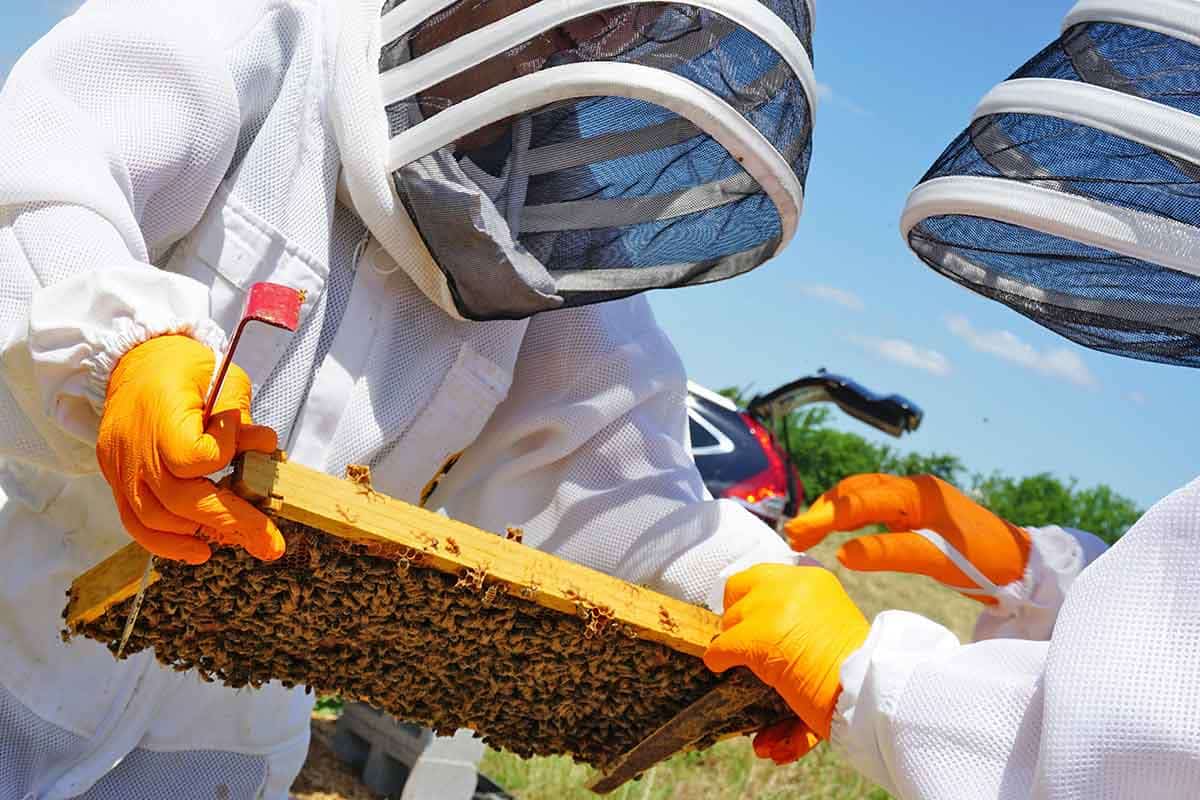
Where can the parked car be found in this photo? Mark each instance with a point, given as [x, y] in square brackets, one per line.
[738, 456]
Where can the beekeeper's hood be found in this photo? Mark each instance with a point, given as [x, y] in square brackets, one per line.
[518, 156]
[1074, 195]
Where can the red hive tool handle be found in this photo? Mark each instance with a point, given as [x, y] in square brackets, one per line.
[270, 304]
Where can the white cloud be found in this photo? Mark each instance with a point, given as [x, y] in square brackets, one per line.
[832, 294]
[827, 96]
[1138, 398]
[906, 354]
[1058, 363]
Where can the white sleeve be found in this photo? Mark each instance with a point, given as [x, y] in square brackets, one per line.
[115, 131]
[588, 456]
[1028, 608]
[1106, 709]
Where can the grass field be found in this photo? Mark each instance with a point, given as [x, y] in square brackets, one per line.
[730, 771]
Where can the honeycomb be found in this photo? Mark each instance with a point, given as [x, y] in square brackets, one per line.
[442, 650]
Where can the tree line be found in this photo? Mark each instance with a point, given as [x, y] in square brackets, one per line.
[823, 455]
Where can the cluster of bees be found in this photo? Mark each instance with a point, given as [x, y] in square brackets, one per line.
[441, 650]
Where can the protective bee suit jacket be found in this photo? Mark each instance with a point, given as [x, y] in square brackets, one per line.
[117, 225]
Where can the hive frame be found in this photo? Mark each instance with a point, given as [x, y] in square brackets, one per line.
[354, 512]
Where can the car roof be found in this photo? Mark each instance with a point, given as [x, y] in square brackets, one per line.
[711, 396]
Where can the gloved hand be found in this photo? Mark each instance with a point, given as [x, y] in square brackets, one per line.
[793, 627]
[154, 452]
[785, 742]
[996, 548]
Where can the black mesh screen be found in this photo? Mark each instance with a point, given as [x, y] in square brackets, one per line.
[1095, 297]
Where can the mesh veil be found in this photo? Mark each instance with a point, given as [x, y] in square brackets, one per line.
[1093, 217]
[588, 198]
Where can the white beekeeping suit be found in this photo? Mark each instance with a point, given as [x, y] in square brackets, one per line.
[157, 158]
[1073, 198]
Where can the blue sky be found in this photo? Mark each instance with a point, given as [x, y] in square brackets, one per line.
[899, 82]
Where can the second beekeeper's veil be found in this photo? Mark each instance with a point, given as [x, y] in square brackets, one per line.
[1074, 194]
[551, 153]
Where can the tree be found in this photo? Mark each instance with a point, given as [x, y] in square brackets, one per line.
[824, 455]
[1044, 500]
[947, 467]
[1038, 499]
[1105, 513]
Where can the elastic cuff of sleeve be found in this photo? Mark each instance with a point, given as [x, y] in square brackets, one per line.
[127, 335]
[1028, 608]
[873, 678]
[1012, 597]
[772, 550]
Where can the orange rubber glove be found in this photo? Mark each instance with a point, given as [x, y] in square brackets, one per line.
[995, 547]
[154, 452]
[793, 627]
[785, 742]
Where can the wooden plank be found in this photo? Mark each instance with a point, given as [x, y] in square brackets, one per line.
[737, 693]
[109, 583]
[349, 511]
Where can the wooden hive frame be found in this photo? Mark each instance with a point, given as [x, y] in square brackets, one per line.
[354, 512]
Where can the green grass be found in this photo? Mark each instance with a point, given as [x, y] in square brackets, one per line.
[730, 771]
[328, 705]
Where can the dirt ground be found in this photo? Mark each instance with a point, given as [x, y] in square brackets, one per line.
[323, 776]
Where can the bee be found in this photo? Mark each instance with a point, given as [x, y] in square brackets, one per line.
[360, 476]
[664, 619]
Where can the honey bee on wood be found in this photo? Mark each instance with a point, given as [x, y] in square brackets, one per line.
[664, 619]
[514, 535]
[360, 476]
[452, 546]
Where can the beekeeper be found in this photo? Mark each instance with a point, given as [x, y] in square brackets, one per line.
[431, 177]
[1072, 198]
